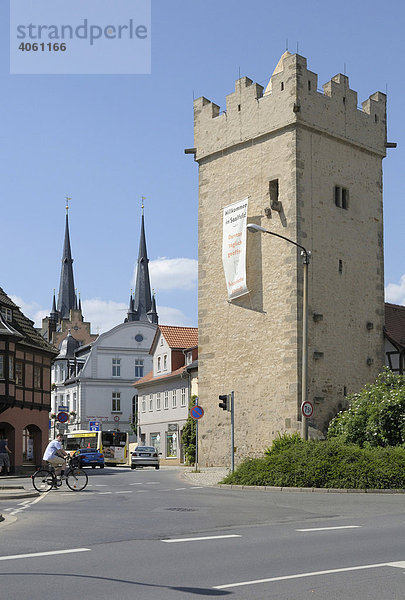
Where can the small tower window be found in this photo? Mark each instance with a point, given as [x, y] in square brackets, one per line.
[309, 86]
[341, 196]
[282, 86]
[340, 266]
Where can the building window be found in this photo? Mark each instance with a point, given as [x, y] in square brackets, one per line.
[138, 367]
[143, 404]
[165, 362]
[158, 401]
[19, 372]
[171, 444]
[166, 401]
[159, 364]
[161, 341]
[116, 367]
[116, 402]
[341, 197]
[1, 366]
[155, 441]
[183, 397]
[174, 399]
[37, 377]
[7, 313]
[150, 402]
[189, 358]
[11, 367]
[74, 402]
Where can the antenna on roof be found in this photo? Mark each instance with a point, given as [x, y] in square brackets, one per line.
[344, 68]
[286, 44]
[297, 46]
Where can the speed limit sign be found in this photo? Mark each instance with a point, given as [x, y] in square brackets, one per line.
[307, 409]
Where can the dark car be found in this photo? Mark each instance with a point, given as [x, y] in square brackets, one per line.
[89, 457]
[145, 456]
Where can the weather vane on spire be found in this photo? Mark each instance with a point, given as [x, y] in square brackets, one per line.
[143, 199]
[67, 203]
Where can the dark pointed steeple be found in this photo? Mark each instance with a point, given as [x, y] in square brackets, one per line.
[152, 314]
[54, 313]
[67, 295]
[141, 305]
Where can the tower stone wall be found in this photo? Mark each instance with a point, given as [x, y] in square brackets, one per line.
[316, 146]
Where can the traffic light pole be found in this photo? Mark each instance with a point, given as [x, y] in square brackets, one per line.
[232, 432]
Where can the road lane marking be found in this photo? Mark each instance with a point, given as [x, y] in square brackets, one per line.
[100, 485]
[50, 553]
[177, 489]
[198, 539]
[103, 493]
[330, 528]
[152, 482]
[136, 483]
[124, 492]
[400, 565]
[197, 487]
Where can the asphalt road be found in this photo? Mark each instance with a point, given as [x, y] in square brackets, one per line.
[149, 534]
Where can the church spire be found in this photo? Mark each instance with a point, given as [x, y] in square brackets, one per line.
[67, 294]
[141, 305]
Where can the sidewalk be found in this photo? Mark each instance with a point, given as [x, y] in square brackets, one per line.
[206, 476]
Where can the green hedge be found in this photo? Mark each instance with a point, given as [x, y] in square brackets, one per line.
[324, 464]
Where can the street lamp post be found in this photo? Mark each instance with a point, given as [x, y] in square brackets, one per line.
[306, 255]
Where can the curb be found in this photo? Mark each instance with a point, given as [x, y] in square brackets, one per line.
[314, 490]
[16, 492]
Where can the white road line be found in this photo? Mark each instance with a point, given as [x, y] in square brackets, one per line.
[152, 482]
[330, 528]
[101, 485]
[198, 539]
[124, 492]
[400, 565]
[51, 553]
[103, 493]
[136, 483]
[197, 487]
[25, 502]
[177, 489]
[141, 491]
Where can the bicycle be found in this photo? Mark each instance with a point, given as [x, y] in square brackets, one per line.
[44, 479]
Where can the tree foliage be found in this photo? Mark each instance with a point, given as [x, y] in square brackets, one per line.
[188, 437]
[376, 416]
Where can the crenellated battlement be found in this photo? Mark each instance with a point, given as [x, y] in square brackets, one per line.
[291, 98]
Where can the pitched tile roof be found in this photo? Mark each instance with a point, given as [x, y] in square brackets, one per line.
[150, 379]
[180, 337]
[25, 327]
[395, 323]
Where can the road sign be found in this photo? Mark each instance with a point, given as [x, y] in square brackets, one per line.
[63, 408]
[116, 418]
[307, 409]
[196, 412]
[62, 417]
[94, 426]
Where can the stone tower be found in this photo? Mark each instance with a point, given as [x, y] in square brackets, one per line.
[310, 164]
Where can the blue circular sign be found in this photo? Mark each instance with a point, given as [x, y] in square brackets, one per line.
[196, 412]
[62, 417]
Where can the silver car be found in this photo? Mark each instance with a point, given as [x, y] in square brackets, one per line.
[145, 456]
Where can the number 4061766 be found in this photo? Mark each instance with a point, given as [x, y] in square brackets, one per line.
[42, 47]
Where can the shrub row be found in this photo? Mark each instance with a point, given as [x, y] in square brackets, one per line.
[292, 462]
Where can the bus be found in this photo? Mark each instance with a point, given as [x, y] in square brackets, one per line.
[113, 444]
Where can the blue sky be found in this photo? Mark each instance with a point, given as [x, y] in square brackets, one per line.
[106, 140]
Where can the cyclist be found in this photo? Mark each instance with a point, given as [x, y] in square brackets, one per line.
[55, 455]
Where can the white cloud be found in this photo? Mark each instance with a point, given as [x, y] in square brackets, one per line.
[172, 273]
[102, 314]
[32, 310]
[395, 292]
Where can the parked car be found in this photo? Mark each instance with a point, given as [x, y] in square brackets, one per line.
[90, 457]
[145, 456]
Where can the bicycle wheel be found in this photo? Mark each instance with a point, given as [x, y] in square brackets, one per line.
[76, 479]
[42, 480]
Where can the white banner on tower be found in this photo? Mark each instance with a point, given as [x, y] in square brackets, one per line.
[234, 248]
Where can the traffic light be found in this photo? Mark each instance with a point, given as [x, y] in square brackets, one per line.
[225, 403]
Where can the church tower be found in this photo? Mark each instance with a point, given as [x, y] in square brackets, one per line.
[66, 314]
[142, 307]
[310, 165]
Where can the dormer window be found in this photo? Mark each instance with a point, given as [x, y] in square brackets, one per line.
[7, 313]
[189, 358]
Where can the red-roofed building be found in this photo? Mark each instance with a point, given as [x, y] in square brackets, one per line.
[164, 393]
